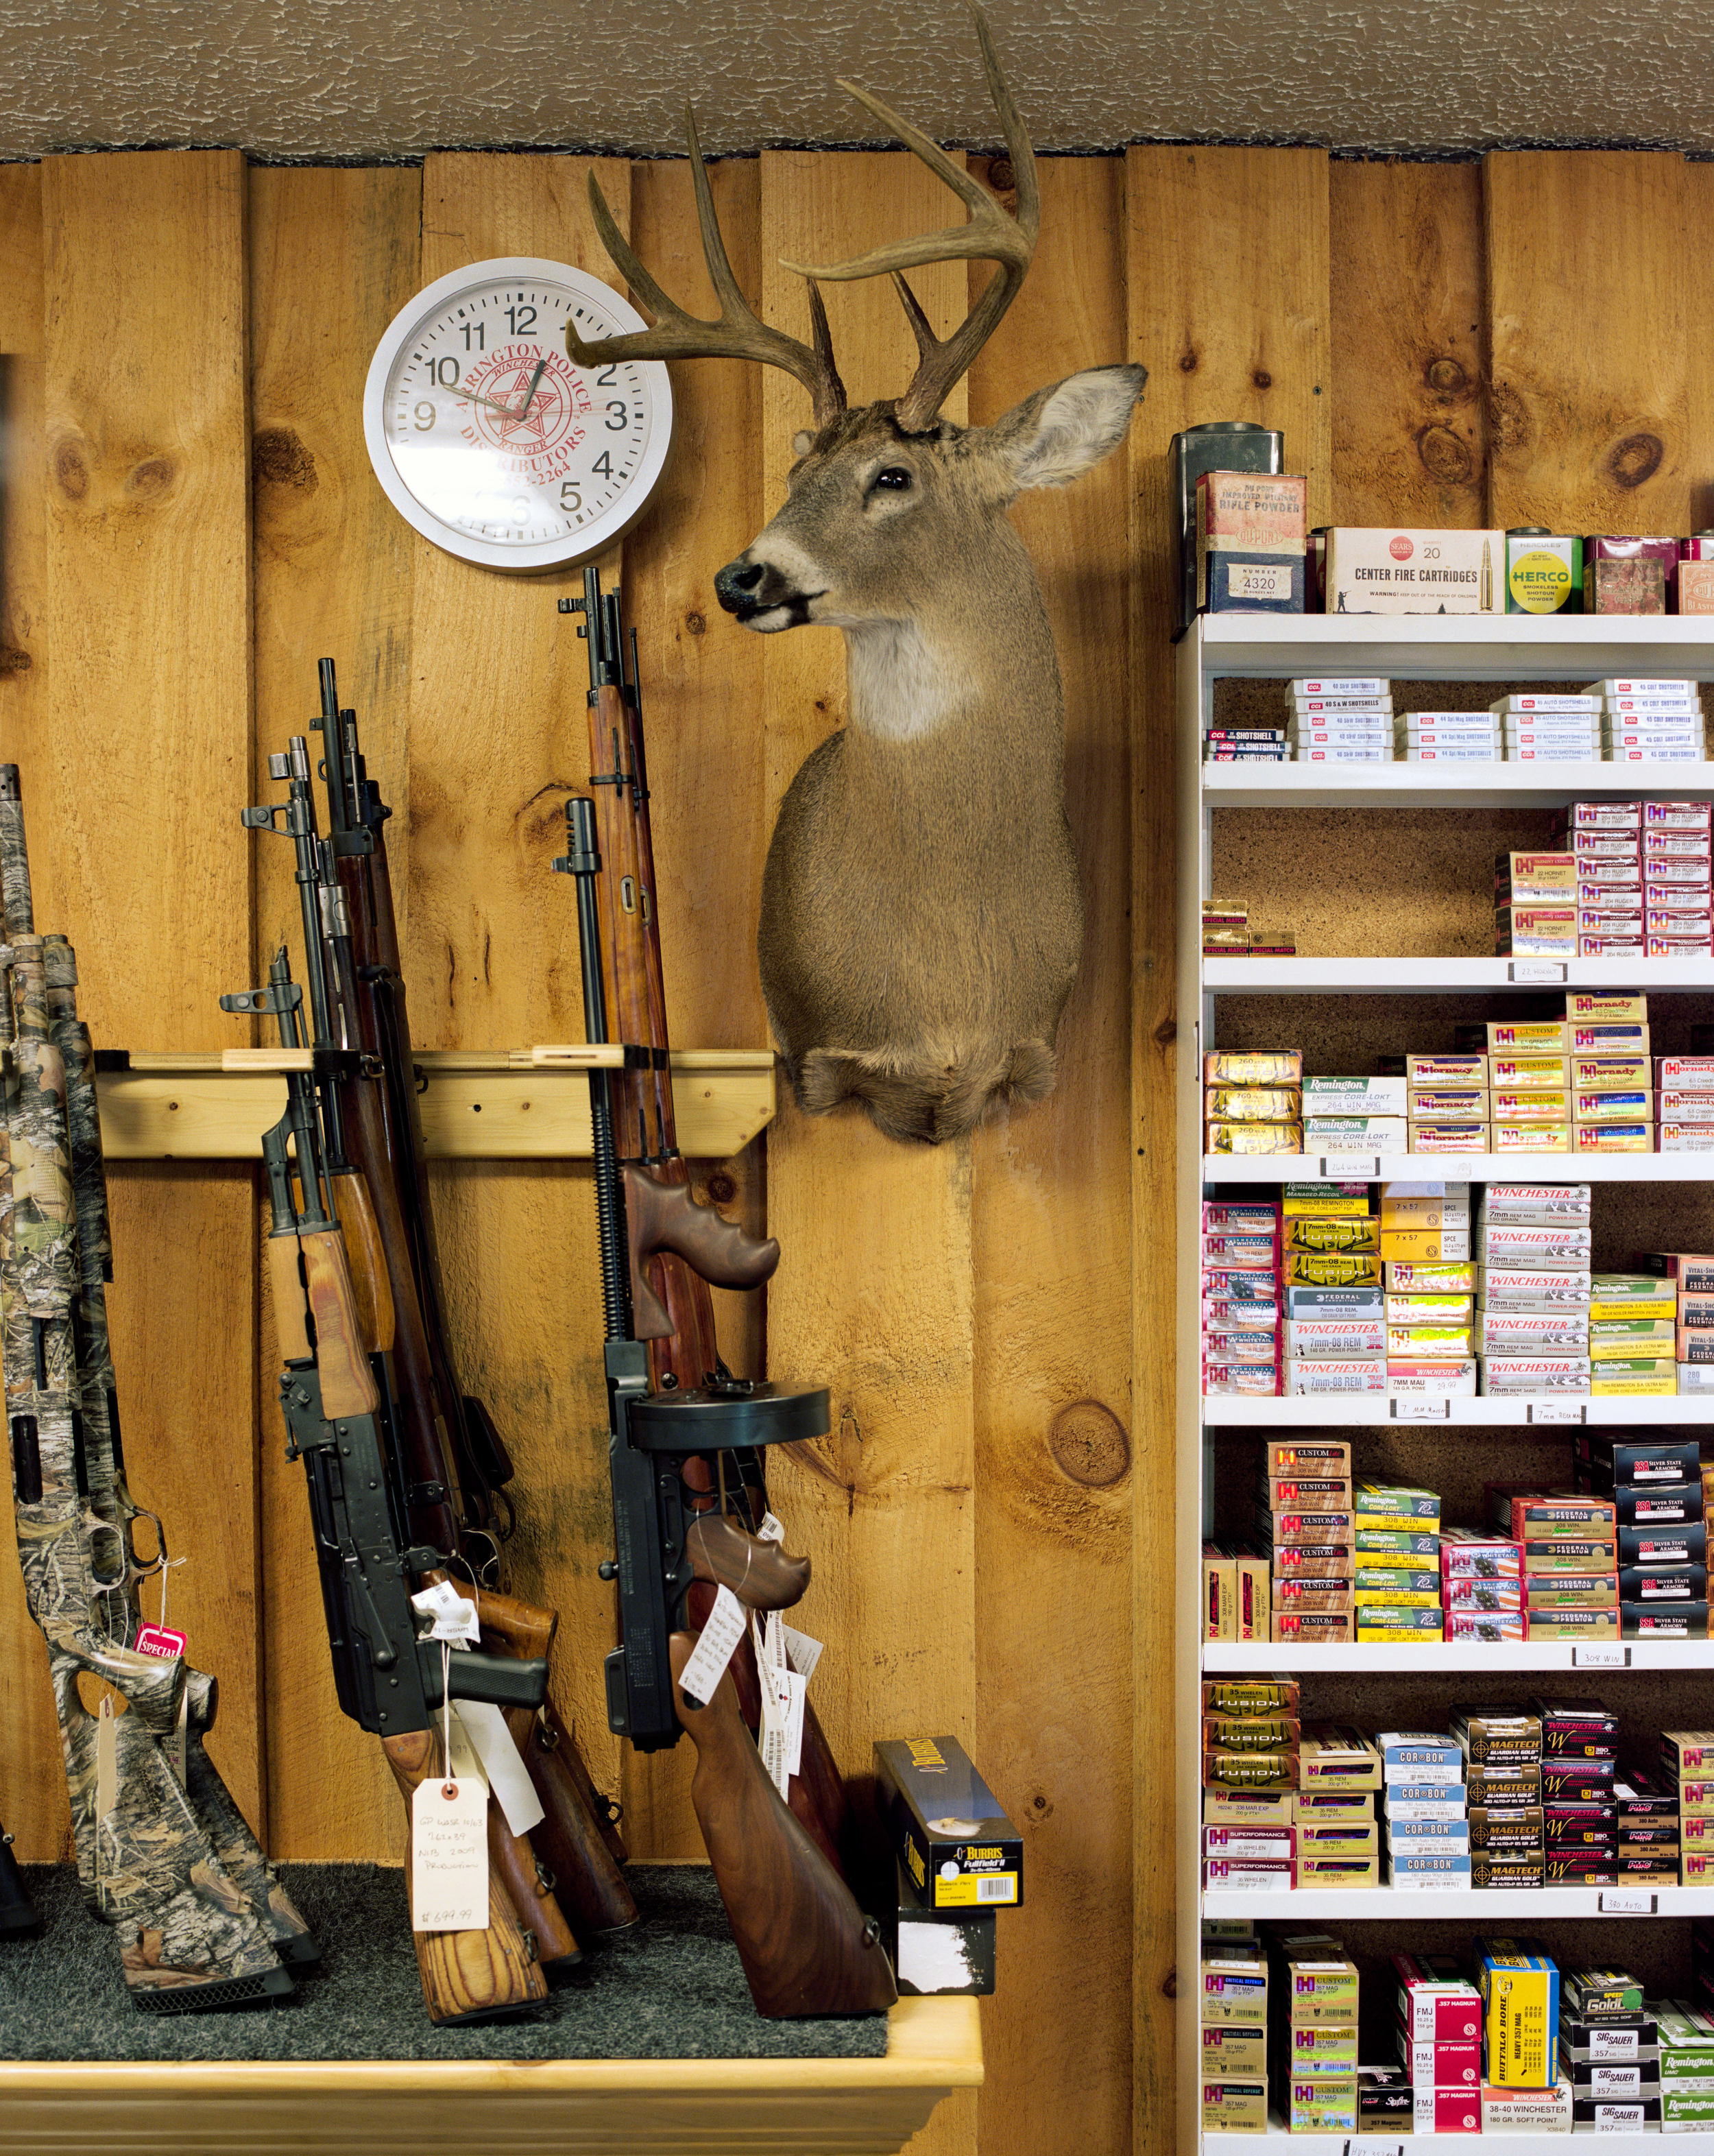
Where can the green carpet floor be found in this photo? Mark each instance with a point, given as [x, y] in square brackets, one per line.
[671, 1989]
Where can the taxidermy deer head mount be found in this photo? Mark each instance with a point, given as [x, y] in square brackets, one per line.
[921, 918]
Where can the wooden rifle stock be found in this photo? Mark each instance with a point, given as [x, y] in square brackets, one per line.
[806, 1946]
[354, 1207]
[467, 1976]
[341, 1360]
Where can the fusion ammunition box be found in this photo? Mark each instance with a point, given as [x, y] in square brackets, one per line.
[1266, 1774]
[946, 1826]
[1344, 1233]
[1253, 1699]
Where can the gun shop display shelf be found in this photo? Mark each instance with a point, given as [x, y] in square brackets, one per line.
[646, 2108]
[1451, 2144]
[519, 1104]
[1501, 650]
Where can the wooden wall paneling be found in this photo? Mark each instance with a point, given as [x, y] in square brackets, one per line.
[149, 714]
[1699, 234]
[702, 677]
[332, 257]
[1409, 394]
[874, 1293]
[498, 739]
[1589, 311]
[1051, 1236]
[32, 1802]
[1227, 277]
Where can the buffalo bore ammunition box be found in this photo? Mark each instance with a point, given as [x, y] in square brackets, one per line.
[946, 1826]
[1519, 1988]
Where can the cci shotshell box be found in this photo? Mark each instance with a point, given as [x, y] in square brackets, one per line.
[945, 1825]
[1377, 571]
[1519, 1988]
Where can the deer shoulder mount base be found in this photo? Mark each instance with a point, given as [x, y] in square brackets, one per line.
[921, 916]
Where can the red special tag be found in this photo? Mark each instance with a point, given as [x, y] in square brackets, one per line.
[156, 1640]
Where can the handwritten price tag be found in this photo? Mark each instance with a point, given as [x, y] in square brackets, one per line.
[715, 1648]
[1421, 1410]
[804, 1653]
[1558, 1411]
[1627, 1903]
[449, 1845]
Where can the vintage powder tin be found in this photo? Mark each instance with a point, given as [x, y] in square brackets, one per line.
[1696, 573]
[1544, 571]
[1626, 575]
[1231, 445]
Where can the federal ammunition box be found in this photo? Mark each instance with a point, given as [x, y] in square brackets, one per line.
[1576, 1624]
[1252, 1699]
[945, 1825]
[1564, 1553]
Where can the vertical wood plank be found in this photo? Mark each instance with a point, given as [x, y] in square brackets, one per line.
[702, 709]
[332, 257]
[1699, 330]
[1226, 276]
[33, 1801]
[149, 713]
[498, 739]
[874, 1293]
[1589, 310]
[1051, 1235]
[1409, 412]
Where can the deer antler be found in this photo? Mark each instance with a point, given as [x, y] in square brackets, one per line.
[989, 234]
[737, 333]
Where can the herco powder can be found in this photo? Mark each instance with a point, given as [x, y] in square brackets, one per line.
[1544, 571]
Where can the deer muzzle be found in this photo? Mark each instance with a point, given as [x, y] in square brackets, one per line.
[762, 596]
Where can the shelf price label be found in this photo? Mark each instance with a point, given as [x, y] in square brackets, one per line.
[1626, 1902]
[1430, 1410]
[1558, 1411]
[1600, 1655]
[1349, 1168]
[1539, 970]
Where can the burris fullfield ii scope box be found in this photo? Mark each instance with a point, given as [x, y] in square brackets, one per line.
[946, 1826]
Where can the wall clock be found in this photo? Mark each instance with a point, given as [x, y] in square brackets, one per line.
[487, 438]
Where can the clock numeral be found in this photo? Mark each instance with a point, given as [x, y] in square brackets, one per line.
[446, 372]
[522, 319]
[608, 376]
[423, 414]
[571, 500]
[603, 466]
[480, 330]
[616, 426]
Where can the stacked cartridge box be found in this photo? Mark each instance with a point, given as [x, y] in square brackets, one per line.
[1252, 1102]
[1685, 1772]
[1341, 720]
[1313, 2043]
[1241, 1329]
[1336, 1340]
[1580, 1791]
[1533, 1246]
[1650, 1839]
[1684, 1106]
[1429, 1281]
[1654, 1483]
[1481, 1586]
[1437, 2031]
[1395, 1559]
[1501, 1747]
[1251, 1738]
[1689, 1280]
[1643, 868]
[1353, 1115]
[1570, 1559]
[1632, 1335]
[1427, 1834]
[1446, 1102]
[1562, 728]
[1447, 737]
[1520, 1990]
[1535, 905]
[1685, 2053]
[1303, 1526]
[1234, 2028]
[1651, 721]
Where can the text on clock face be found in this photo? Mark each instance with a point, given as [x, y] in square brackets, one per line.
[496, 433]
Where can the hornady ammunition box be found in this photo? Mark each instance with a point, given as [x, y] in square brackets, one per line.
[1334, 1807]
[1316, 1979]
[945, 1825]
[1253, 1067]
[1454, 1071]
[1358, 1838]
[1519, 1988]
[1234, 1988]
[1319, 1456]
[1234, 2054]
[1247, 1808]
[1377, 571]
[1447, 1278]
[1233, 2105]
[1333, 1757]
[1313, 1561]
[1515, 1037]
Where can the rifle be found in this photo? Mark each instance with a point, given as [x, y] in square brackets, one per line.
[457, 1464]
[677, 1416]
[163, 1854]
[341, 1420]
[18, 1919]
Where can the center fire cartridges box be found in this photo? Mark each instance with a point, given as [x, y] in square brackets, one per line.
[1520, 1988]
[946, 1826]
[1377, 571]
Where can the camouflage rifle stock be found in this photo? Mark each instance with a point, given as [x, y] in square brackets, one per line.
[193, 1933]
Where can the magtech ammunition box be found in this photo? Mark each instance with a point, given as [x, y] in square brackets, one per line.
[946, 1826]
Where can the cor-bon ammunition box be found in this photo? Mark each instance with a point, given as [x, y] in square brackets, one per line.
[946, 1827]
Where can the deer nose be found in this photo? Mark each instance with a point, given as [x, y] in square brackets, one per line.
[735, 585]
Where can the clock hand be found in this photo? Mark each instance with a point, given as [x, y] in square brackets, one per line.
[475, 396]
[534, 384]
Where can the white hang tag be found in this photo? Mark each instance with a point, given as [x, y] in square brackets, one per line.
[802, 1652]
[502, 1764]
[771, 1647]
[797, 1697]
[175, 1743]
[771, 1530]
[449, 1845]
[106, 1759]
[701, 1675]
[455, 1618]
[772, 1738]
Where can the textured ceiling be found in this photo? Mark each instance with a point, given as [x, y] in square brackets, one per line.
[386, 79]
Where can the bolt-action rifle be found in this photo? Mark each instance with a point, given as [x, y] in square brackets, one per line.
[685, 1436]
[163, 1854]
[457, 1464]
[337, 1392]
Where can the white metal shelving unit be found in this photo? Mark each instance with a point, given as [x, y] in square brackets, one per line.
[1500, 650]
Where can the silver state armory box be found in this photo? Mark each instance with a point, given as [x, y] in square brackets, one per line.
[945, 1827]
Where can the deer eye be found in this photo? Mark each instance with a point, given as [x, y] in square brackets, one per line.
[892, 476]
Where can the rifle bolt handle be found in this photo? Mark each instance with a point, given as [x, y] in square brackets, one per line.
[607, 1569]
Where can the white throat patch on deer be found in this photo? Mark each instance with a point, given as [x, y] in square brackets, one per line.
[921, 918]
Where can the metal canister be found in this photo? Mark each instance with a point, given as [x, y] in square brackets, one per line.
[1544, 571]
[1238, 445]
[1698, 547]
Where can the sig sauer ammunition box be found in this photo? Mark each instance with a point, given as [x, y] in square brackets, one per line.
[946, 1826]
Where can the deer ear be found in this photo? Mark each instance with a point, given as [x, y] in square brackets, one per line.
[803, 442]
[1055, 436]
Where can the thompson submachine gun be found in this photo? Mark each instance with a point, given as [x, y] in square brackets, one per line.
[685, 1436]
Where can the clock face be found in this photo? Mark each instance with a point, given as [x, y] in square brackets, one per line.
[489, 441]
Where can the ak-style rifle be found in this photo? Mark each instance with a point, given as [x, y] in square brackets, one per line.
[163, 1853]
[457, 1466]
[686, 1436]
[336, 1323]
